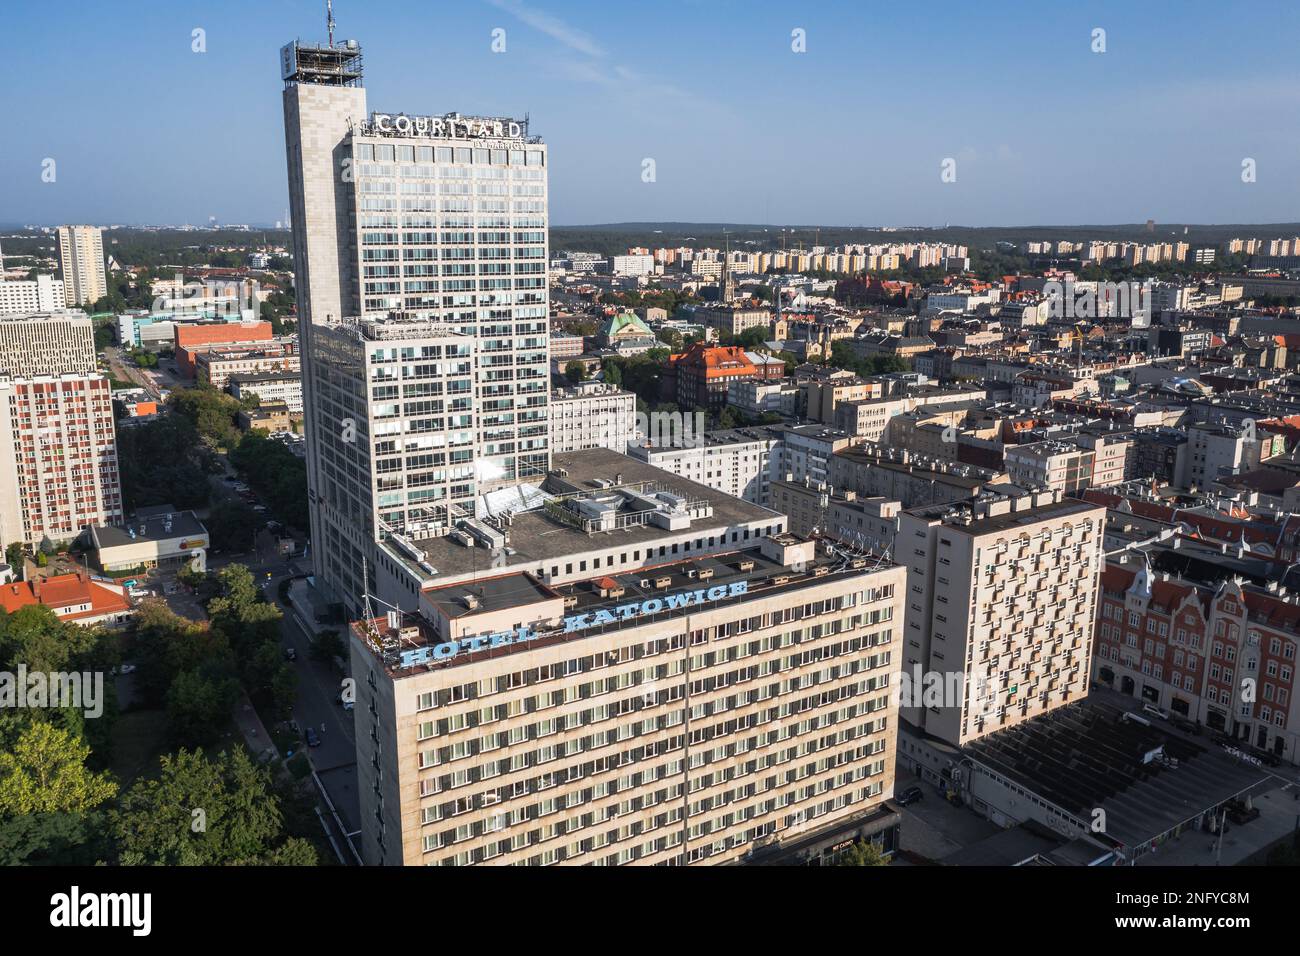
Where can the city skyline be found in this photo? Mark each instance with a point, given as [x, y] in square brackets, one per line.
[1025, 151]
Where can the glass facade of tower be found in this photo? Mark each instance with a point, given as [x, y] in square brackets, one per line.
[455, 230]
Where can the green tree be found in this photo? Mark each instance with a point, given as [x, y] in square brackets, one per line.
[862, 853]
[45, 772]
[165, 645]
[205, 812]
[575, 371]
[199, 704]
[14, 556]
[52, 839]
[231, 526]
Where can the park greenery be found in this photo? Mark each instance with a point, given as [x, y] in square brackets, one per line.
[65, 800]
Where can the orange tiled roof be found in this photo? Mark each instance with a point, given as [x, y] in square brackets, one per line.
[61, 591]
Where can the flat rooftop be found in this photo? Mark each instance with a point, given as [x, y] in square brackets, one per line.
[1084, 756]
[760, 575]
[1003, 522]
[148, 527]
[536, 538]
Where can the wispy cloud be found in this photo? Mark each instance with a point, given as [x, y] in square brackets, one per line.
[552, 26]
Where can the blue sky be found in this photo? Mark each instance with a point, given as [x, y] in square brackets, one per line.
[852, 131]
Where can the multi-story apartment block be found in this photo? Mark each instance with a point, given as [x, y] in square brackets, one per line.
[58, 449]
[882, 472]
[813, 508]
[58, 456]
[731, 319]
[1001, 602]
[757, 397]
[592, 415]
[738, 461]
[705, 710]
[805, 451]
[47, 343]
[1218, 449]
[81, 257]
[42, 294]
[1054, 465]
[442, 220]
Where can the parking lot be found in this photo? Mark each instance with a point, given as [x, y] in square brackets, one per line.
[932, 827]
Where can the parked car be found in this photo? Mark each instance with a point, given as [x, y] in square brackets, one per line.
[1154, 711]
[345, 704]
[313, 738]
[910, 795]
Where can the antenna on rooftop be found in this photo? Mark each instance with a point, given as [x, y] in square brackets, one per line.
[329, 20]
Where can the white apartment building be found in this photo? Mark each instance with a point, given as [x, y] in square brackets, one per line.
[633, 265]
[42, 294]
[47, 343]
[1054, 465]
[1214, 450]
[81, 257]
[740, 461]
[1001, 604]
[756, 397]
[592, 415]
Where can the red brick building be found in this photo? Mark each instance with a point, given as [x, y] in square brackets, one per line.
[705, 372]
[194, 335]
[1223, 656]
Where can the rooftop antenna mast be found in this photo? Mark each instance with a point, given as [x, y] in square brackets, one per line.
[329, 20]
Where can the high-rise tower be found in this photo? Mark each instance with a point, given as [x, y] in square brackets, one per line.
[420, 248]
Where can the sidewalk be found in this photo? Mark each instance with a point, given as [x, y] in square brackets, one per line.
[1279, 814]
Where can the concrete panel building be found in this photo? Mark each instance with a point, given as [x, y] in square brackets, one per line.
[81, 257]
[592, 415]
[42, 294]
[1000, 610]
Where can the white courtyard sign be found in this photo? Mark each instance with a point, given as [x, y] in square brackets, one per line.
[442, 127]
